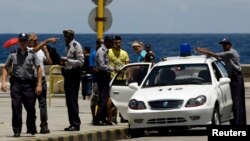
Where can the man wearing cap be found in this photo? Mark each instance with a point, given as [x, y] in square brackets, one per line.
[231, 58]
[103, 78]
[23, 89]
[71, 71]
[138, 48]
[149, 49]
[150, 57]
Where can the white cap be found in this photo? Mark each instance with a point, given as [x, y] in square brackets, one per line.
[136, 43]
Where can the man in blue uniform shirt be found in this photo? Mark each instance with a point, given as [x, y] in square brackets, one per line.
[231, 58]
[103, 78]
[23, 89]
[71, 71]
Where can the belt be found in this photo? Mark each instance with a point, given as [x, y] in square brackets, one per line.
[21, 80]
[86, 75]
[236, 73]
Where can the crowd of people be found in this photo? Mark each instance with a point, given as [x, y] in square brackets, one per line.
[94, 69]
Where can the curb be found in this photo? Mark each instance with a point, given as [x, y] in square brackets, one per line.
[104, 135]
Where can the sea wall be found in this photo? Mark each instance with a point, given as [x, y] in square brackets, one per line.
[245, 71]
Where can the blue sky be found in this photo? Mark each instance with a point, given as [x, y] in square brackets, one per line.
[129, 16]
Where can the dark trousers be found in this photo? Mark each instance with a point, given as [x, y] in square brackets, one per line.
[23, 93]
[71, 87]
[103, 79]
[238, 97]
[42, 101]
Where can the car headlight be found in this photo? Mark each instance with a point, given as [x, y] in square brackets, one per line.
[198, 101]
[136, 105]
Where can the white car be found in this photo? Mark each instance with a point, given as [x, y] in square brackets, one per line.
[179, 91]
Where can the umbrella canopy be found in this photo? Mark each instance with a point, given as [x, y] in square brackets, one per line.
[10, 42]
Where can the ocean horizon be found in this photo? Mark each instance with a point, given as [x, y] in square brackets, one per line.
[164, 45]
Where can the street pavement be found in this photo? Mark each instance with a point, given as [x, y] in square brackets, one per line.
[58, 120]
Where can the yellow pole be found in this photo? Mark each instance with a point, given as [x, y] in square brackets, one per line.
[100, 17]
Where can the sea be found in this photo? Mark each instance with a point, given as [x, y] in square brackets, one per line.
[163, 45]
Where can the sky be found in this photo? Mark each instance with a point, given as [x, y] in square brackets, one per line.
[128, 16]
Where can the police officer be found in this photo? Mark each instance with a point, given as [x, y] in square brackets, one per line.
[23, 89]
[72, 63]
[231, 58]
[103, 78]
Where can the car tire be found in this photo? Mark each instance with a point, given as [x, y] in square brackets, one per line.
[136, 132]
[216, 117]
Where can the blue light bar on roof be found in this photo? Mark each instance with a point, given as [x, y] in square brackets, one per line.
[185, 50]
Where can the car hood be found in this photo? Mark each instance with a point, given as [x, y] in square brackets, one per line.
[171, 92]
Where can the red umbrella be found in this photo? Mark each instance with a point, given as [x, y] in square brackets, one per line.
[10, 42]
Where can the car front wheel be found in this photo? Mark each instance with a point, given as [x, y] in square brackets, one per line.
[216, 117]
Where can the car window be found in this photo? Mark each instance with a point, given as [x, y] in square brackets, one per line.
[216, 71]
[222, 68]
[178, 75]
[131, 74]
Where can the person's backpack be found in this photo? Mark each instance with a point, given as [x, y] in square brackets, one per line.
[55, 57]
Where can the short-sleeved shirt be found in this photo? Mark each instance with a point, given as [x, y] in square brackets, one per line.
[92, 65]
[23, 64]
[231, 59]
[141, 56]
[41, 56]
[101, 59]
[92, 59]
[74, 55]
[117, 59]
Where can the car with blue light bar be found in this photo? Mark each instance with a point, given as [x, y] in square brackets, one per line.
[179, 91]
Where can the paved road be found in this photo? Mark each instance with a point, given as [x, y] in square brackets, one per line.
[195, 134]
[58, 120]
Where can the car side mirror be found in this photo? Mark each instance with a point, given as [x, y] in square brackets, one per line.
[223, 81]
[133, 85]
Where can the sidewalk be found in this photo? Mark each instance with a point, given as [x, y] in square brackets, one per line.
[58, 120]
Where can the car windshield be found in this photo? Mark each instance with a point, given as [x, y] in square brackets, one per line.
[181, 74]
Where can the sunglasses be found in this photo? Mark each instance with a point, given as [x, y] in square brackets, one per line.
[23, 40]
[34, 40]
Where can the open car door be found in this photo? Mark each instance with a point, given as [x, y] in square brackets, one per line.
[120, 92]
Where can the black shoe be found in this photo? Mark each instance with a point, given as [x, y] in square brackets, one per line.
[44, 130]
[16, 135]
[33, 132]
[72, 128]
[98, 123]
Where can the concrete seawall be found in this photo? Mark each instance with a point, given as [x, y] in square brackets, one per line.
[245, 71]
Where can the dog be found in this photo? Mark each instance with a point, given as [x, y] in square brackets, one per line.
[112, 112]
